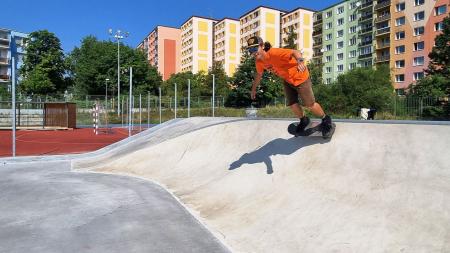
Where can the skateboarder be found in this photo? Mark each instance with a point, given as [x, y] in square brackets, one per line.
[289, 65]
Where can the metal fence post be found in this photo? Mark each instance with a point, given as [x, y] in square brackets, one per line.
[160, 118]
[130, 112]
[175, 102]
[189, 98]
[13, 74]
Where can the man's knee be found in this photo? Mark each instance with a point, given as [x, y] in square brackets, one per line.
[310, 105]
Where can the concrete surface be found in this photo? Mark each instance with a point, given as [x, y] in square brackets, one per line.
[372, 188]
[44, 207]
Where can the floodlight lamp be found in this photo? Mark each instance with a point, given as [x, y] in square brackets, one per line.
[110, 31]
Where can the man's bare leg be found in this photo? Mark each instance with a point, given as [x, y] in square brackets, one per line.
[316, 109]
[297, 110]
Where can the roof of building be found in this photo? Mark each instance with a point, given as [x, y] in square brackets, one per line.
[299, 8]
[261, 6]
[194, 16]
[234, 19]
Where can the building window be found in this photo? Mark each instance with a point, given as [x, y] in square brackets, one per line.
[328, 70]
[352, 66]
[328, 36]
[340, 44]
[340, 21]
[400, 21]
[353, 5]
[419, 31]
[419, 46]
[399, 78]
[352, 54]
[340, 68]
[340, 33]
[328, 25]
[400, 49]
[352, 18]
[352, 42]
[400, 7]
[328, 48]
[418, 2]
[352, 29]
[340, 56]
[328, 14]
[400, 64]
[400, 35]
[440, 10]
[439, 26]
[340, 10]
[328, 81]
[419, 61]
[419, 16]
[418, 75]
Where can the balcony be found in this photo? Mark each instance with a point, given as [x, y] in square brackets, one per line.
[4, 61]
[318, 55]
[382, 58]
[317, 45]
[381, 46]
[365, 30]
[365, 43]
[382, 5]
[364, 56]
[317, 23]
[4, 43]
[365, 18]
[383, 18]
[4, 78]
[383, 31]
[317, 33]
[366, 5]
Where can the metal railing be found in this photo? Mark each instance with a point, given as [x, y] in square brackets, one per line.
[383, 5]
[382, 58]
[383, 18]
[365, 30]
[381, 31]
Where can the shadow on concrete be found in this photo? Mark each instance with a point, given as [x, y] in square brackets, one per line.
[276, 147]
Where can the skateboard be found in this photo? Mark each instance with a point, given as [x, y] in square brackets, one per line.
[313, 129]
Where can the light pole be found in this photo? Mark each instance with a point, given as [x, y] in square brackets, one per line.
[118, 35]
[106, 101]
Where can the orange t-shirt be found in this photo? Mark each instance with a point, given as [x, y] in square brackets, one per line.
[280, 62]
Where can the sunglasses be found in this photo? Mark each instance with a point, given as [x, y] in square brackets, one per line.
[252, 50]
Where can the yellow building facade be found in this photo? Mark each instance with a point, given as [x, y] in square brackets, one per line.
[263, 22]
[197, 44]
[299, 21]
[227, 44]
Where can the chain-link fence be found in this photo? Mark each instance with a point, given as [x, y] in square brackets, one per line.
[147, 109]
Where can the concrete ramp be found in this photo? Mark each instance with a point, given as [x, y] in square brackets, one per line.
[372, 188]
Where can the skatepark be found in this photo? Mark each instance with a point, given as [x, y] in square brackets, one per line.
[236, 185]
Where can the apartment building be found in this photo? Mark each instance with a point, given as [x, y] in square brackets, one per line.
[227, 44]
[163, 50]
[343, 44]
[414, 24]
[317, 38]
[12, 44]
[197, 44]
[299, 21]
[263, 22]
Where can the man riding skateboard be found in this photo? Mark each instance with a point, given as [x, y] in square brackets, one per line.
[289, 65]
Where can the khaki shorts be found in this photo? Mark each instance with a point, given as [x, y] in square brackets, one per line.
[304, 90]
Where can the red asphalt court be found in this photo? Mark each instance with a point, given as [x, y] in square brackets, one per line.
[57, 142]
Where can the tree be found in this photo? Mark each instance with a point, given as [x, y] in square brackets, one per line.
[360, 87]
[292, 36]
[271, 86]
[437, 81]
[43, 63]
[315, 72]
[440, 55]
[94, 61]
[221, 80]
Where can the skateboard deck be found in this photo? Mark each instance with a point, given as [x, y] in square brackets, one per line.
[314, 129]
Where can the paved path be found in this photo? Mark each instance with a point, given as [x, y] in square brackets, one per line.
[44, 207]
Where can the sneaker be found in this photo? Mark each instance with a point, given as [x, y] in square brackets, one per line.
[304, 122]
[327, 127]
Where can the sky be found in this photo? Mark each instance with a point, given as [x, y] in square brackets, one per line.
[72, 20]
